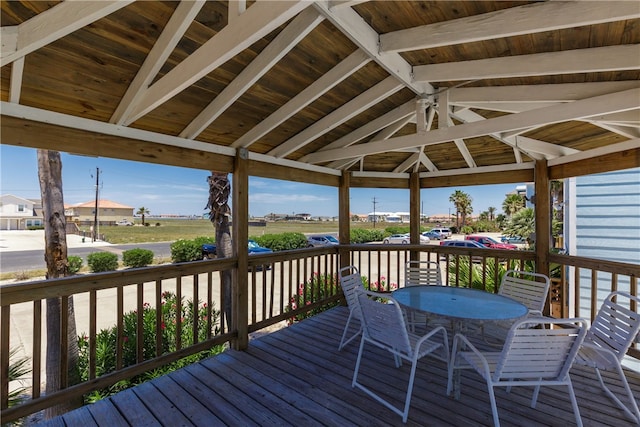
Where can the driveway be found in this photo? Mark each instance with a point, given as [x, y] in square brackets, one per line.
[29, 240]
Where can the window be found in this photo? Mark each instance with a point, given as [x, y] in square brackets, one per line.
[22, 208]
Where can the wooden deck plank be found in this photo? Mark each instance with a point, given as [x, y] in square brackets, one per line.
[297, 376]
[133, 409]
[108, 416]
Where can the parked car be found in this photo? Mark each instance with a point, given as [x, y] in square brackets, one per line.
[490, 243]
[513, 240]
[209, 250]
[321, 240]
[397, 238]
[124, 222]
[433, 235]
[463, 244]
[403, 239]
[444, 231]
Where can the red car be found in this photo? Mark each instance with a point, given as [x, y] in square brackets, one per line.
[490, 243]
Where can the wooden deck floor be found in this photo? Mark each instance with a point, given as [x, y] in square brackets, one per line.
[296, 376]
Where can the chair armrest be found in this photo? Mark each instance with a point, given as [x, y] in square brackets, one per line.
[454, 353]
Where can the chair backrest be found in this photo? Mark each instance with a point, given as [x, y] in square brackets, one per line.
[351, 282]
[422, 273]
[545, 353]
[615, 326]
[523, 287]
[383, 322]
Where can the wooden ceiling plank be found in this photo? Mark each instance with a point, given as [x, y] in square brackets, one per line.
[527, 19]
[15, 86]
[626, 131]
[258, 21]
[288, 38]
[335, 4]
[343, 164]
[172, 33]
[598, 59]
[51, 25]
[565, 92]
[370, 97]
[337, 74]
[350, 23]
[620, 101]
[410, 161]
[632, 144]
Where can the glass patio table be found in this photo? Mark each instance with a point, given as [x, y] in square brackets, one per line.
[461, 306]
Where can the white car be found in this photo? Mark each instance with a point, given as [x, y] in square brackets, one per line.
[403, 239]
[124, 222]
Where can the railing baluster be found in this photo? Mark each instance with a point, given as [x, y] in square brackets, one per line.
[120, 327]
[36, 354]
[196, 306]
[93, 304]
[64, 342]
[139, 323]
[179, 313]
[5, 318]
[159, 317]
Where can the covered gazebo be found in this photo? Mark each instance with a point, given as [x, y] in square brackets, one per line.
[380, 94]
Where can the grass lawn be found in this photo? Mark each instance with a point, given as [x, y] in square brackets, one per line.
[170, 230]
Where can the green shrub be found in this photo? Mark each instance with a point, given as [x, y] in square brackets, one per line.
[359, 235]
[317, 288]
[282, 241]
[102, 261]
[185, 250]
[75, 263]
[106, 342]
[137, 257]
[396, 229]
[467, 229]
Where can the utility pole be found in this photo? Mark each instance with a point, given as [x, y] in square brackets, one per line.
[375, 202]
[95, 213]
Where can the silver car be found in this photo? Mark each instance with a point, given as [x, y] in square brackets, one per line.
[321, 240]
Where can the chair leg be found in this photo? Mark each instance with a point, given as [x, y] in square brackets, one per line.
[407, 401]
[574, 404]
[355, 371]
[343, 343]
[632, 400]
[494, 407]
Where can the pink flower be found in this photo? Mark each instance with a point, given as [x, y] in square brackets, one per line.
[163, 326]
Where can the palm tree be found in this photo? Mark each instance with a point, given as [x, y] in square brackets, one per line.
[143, 211]
[492, 212]
[512, 204]
[521, 224]
[462, 202]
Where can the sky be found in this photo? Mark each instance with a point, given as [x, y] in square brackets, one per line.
[182, 191]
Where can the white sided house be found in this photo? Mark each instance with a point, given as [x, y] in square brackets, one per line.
[17, 213]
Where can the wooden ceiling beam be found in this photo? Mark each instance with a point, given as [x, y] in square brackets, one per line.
[445, 121]
[620, 101]
[329, 80]
[370, 97]
[286, 40]
[350, 23]
[257, 21]
[172, 33]
[527, 19]
[624, 155]
[51, 25]
[598, 59]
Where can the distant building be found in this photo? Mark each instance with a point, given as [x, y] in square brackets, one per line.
[17, 213]
[108, 213]
[398, 217]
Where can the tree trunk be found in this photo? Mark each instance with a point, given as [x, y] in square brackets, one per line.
[55, 237]
[218, 204]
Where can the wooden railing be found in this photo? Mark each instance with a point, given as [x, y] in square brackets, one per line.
[281, 286]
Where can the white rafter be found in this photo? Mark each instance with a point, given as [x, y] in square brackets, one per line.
[444, 121]
[259, 20]
[51, 25]
[353, 26]
[610, 58]
[620, 101]
[483, 97]
[632, 144]
[301, 25]
[370, 97]
[178, 24]
[549, 151]
[337, 74]
[527, 19]
[15, 86]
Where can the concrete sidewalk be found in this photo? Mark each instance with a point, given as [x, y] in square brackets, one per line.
[29, 240]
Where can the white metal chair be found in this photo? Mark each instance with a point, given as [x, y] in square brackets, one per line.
[608, 339]
[528, 288]
[522, 286]
[530, 357]
[350, 282]
[421, 273]
[384, 326]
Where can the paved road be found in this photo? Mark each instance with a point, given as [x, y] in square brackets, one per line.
[25, 260]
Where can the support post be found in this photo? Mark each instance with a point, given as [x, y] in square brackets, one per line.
[542, 217]
[240, 233]
[414, 213]
[344, 217]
